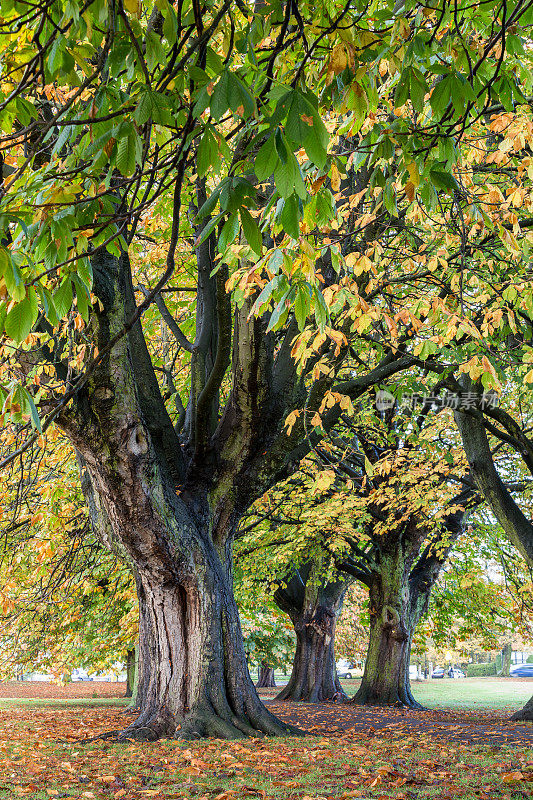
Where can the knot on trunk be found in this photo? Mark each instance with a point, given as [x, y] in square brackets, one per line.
[136, 440]
[393, 622]
[322, 623]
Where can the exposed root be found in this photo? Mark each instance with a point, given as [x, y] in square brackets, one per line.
[524, 715]
[206, 722]
[161, 725]
[369, 698]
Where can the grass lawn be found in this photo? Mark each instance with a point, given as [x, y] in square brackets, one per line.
[473, 693]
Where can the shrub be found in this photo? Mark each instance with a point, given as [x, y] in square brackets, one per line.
[481, 670]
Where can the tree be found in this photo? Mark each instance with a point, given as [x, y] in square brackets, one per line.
[511, 432]
[65, 600]
[388, 505]
[483, 599]
[114, 114]
[268, 639]
[313, 602]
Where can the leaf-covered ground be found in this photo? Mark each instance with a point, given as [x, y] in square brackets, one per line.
[42, 755]
[37, 690]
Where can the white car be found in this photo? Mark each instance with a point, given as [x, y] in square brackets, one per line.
[457, 673]
[345, 668]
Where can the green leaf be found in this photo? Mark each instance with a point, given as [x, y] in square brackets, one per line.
[285, 176]
[251, 231]
[63, 297]
[155, 52]
[402, 89]
[209, 205]
[20, 320]
[209, 228]
[82, 297]
[443, 180]
[231, 93]
[304, 126]
[440, 96]
[302, 306]
[228, 232]
[281, 312]
[143, 109]
[14, 280]
[207, 155]
[266, 160]
[34, 414]
[321, 309]
[290, 216]
[128, 152]
[418, 89]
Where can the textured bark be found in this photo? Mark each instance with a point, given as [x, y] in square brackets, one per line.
[197, 680]
[515, 524]
[400, 577]
[266, 677]
[313, 608]
[507, 651]
[130, 672]
[193, 676]
[394, 613]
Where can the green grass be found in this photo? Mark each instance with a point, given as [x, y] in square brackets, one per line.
[466, 693]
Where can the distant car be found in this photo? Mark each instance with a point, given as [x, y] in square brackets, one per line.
[457, 673]
[522, 671]
[438, 672]
[344, 668]
[413, 672]
[80, 675]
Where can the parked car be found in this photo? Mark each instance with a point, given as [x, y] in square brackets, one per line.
[80, 675]
[457, 673]
[522, 671]
[438, 672]
[344, 668]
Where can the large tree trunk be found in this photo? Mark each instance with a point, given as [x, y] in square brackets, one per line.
[266, 676]
[507, 651]
[313, 608]
[396, 604]
[196, 677]
[193, 677]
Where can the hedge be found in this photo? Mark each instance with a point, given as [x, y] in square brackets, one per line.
[481, 670]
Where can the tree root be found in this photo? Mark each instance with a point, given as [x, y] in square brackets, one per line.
[207, 722]
[524, 715]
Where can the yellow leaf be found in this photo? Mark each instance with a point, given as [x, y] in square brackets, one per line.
[414, 174]
[133, 6]
[291, 419]
[410, 191]
[335, 178]
[512, 777]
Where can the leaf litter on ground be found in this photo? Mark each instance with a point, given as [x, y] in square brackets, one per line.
[42, 755]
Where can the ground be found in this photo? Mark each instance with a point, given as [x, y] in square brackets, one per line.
[469, 753]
